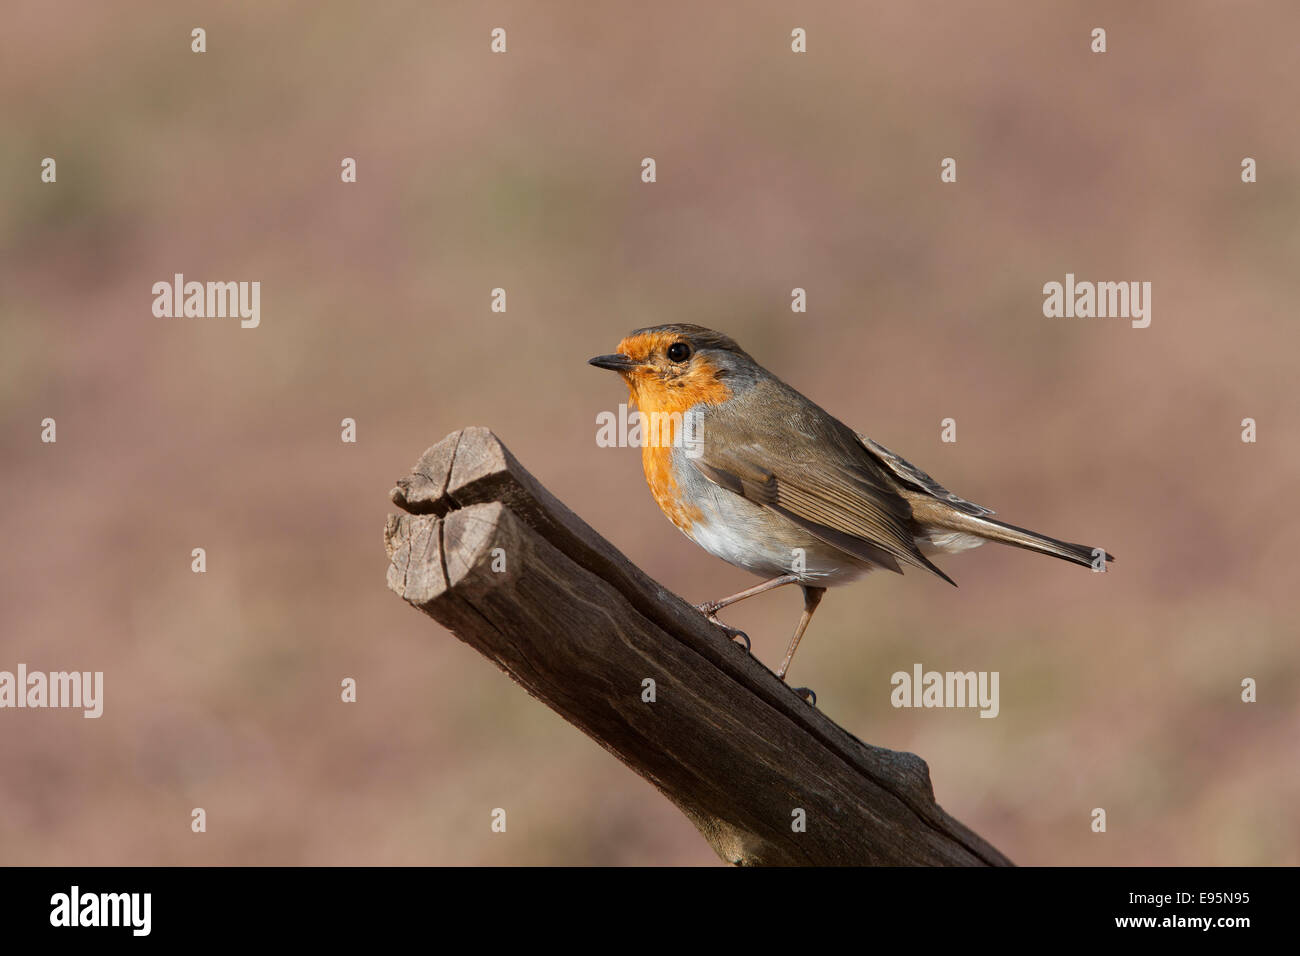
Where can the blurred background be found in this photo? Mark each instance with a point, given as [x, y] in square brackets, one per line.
[522, 171]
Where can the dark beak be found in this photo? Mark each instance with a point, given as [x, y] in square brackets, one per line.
[615, 363]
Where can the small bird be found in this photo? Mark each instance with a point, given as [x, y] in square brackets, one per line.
[762, 477]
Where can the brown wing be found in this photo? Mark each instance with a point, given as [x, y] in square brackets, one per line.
[813, 470]
[911, 475]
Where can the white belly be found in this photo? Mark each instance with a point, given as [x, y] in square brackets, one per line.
[758, 540]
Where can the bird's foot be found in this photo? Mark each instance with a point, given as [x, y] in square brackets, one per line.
[807, 693]
[735, 633]
[710, 613]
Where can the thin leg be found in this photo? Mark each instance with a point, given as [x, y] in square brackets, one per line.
[811, 598]
[712, 607]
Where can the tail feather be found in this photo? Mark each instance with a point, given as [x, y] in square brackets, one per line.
[935, 514]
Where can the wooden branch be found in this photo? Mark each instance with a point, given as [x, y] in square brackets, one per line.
[490, 554]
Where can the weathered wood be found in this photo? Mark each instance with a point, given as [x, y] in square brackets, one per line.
[489, 553]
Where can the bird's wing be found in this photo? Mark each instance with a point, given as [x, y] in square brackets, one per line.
[820, 476]
[907, 472]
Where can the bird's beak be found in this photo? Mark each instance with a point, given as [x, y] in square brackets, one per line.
[615, 363]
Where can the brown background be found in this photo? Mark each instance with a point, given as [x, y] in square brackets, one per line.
[522, 171]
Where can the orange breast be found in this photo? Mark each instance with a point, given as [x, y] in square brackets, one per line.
[657, 463]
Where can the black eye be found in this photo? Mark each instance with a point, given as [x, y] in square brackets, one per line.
[679, 352]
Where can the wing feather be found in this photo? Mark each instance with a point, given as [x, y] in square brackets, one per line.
[823, 478]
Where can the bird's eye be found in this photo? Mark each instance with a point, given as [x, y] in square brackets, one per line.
[679, 352]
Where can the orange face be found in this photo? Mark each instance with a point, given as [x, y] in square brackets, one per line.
[659, 384]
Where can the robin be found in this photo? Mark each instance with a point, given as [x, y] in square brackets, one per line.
[758, 475]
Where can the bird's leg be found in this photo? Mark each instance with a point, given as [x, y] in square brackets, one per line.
[710, 608]
[811, 598]
[713, 607]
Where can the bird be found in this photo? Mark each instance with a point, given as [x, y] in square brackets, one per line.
[762, 477]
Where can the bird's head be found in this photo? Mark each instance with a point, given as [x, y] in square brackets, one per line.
[671, 368]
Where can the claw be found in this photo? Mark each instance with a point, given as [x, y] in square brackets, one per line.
[735, 633]
[807, 693]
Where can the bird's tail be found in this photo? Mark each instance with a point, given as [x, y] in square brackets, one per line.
[933, 513]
